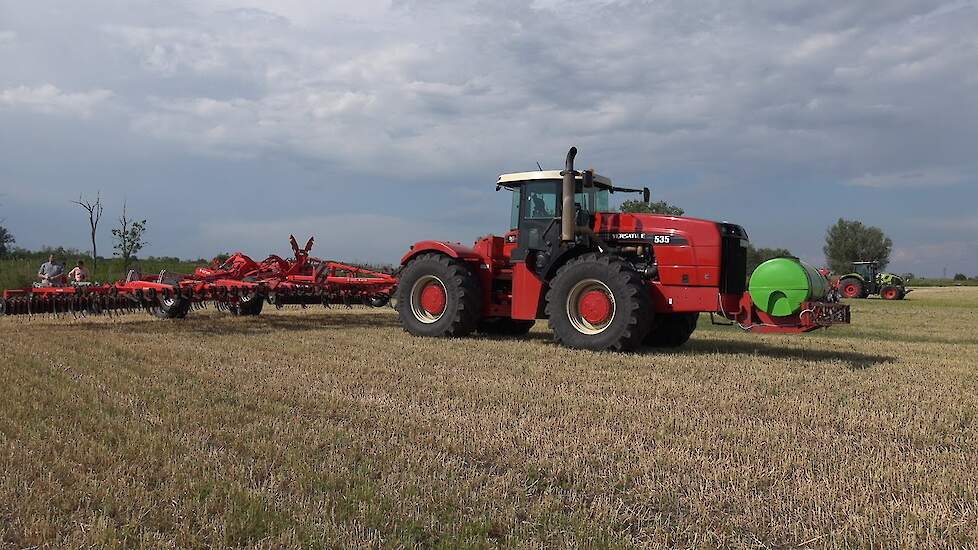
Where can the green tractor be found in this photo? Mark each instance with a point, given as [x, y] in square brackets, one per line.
[867, 279]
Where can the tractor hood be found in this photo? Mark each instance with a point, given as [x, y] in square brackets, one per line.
[664, 230]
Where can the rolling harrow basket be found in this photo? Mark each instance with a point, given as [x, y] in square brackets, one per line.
[238, 285]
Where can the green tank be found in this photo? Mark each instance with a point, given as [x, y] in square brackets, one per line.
[778, 287]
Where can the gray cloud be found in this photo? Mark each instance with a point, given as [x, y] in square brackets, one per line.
[784, 115]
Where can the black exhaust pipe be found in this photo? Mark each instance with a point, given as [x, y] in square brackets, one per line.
[567, 210]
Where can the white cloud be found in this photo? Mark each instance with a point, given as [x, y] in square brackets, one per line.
[816, 45]
[7, 37]
[49, 99]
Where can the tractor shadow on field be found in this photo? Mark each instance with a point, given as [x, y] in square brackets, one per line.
[710, 346]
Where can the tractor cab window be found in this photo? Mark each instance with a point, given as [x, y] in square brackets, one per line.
[541, 201]
[592, 199]
[601, 200]
[514, 216]
[537, 218]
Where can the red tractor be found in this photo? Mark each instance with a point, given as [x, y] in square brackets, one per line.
[605, 280]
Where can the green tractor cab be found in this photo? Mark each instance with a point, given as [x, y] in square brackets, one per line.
[867, 280]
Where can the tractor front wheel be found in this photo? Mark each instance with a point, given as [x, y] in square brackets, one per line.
[438, 296]
[851, 287]
[890, 292]
[598, 302]
[671, 330]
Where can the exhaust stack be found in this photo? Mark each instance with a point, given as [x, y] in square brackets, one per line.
[567, 209]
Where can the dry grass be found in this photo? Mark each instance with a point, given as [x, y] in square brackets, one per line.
[334, 428]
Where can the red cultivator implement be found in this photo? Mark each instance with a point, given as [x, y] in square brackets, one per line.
[238, 285]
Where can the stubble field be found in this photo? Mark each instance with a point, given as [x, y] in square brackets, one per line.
[326, 428]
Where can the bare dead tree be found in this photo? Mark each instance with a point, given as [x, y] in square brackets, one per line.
[94, 209]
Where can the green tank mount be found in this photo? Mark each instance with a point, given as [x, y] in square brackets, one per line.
[780, 286]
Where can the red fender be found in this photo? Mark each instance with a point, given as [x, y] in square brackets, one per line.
[452, 250]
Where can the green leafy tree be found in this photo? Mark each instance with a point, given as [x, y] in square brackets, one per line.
[960, 277]
[757, 256]
[850, 241]
[658, 207]
[128, 237]
[6, 239]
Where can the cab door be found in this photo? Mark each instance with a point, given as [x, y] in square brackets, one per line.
[539, 218]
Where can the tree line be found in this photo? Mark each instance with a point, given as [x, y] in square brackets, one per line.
[128, 235]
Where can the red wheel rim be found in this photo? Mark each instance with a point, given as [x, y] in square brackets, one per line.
[433, 298]
[850, 290]
[890, 293]
[595, 307]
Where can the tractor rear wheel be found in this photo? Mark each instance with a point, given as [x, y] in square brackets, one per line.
[438, 296]
[172, 307]
[505, 326]
[671, 330]
[598, 302]
[890, 292]
[851, 287]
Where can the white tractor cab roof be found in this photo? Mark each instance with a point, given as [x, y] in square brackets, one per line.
[511, 180]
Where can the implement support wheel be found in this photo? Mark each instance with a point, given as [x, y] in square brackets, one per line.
[173, 307]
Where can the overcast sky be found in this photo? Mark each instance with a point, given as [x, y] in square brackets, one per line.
[229, 125]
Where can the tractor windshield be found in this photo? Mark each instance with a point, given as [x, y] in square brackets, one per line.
[541, 200]
[535, 200]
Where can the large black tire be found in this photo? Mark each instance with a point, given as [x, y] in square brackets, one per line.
[851, 287]
[622, 327]
[173, 307]
[247, 305]
[671, 330]
[432, 277]
[505, 326]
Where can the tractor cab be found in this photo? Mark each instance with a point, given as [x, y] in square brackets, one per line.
[867, 270]
[537, 206]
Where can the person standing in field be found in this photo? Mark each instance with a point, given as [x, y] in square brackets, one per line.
[79, 274]
[52, 273]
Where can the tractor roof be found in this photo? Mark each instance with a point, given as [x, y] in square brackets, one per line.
[516, 178]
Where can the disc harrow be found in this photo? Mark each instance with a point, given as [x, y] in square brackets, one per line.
[238, 285]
